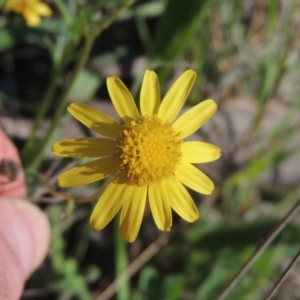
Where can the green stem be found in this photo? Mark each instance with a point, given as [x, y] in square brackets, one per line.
[88, 43]
[121, 262]
[46, 101]
[89, 40]
[98, 29]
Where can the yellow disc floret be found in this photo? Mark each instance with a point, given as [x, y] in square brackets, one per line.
[149, 150]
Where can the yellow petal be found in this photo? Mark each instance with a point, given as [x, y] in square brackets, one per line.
[132, 212]
[160, 205]
[181, 201]
[85, 147]
[150, 94]
[121, 99]
[176, 96]
[199, 152]
[95, 119]
[43, 10]
[32, 18]
[194, 118]
[89, 172]
[194, 178]
[108, 205]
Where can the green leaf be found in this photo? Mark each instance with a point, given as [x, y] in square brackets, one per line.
[173, 286]
[7, 40]
[85, 86]
[175, 29]
[65, 12]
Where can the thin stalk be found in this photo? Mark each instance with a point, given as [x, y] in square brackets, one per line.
[121, 261]
[285, 221]
[270, 90]
[283, 276]
[46, 100]
[134, 267]
[45, 103]
[98, 29]
[88, 43]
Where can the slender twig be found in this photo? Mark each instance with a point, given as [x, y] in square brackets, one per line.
[49, 188]
[102, 26]
[134, 267]
[51, 180]
[98, 192]
[282, 277]
[285, 221]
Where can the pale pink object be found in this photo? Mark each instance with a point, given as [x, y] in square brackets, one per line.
[24, 230]
[8, 151]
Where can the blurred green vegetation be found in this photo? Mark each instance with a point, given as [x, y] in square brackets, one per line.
[245, 53]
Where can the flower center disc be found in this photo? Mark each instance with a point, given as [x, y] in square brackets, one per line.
[149, 150]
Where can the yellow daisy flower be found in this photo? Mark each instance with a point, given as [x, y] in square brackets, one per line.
[146, 155]
[32, 10]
